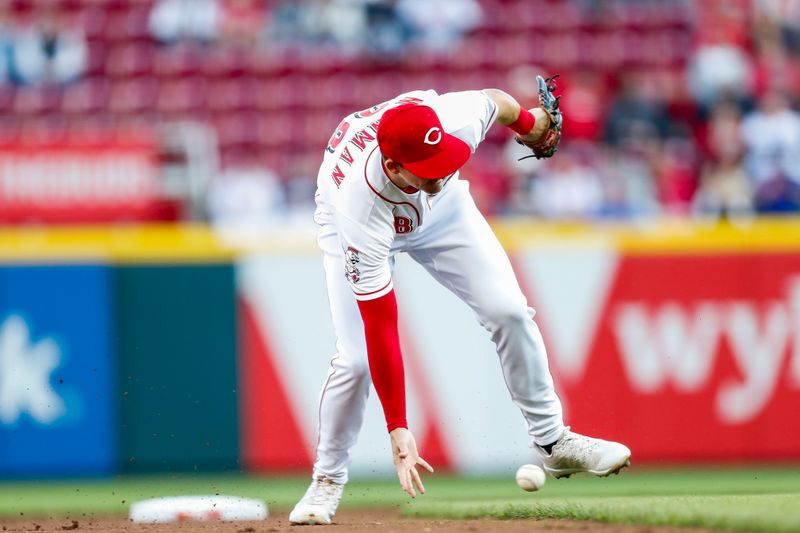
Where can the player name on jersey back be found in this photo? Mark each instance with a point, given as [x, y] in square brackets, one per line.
[356, 132]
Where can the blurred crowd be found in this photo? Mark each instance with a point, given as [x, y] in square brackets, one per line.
[672, 107]
[371, 26]
[44, 46]
[716, 134]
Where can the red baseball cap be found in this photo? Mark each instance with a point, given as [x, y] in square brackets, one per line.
[412, 135]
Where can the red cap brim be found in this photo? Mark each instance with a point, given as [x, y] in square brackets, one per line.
[454, 153]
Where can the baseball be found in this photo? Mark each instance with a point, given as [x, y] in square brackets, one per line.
[530, 478]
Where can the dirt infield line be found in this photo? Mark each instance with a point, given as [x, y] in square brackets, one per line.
[381, 520]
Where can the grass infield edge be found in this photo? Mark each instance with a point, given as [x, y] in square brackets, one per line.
[765, 513]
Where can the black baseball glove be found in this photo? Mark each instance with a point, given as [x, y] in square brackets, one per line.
[547, 144]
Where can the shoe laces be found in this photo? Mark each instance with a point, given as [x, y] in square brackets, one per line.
[323, 490]
[576, 444]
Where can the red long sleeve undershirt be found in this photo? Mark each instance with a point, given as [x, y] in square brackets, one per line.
[385, 358]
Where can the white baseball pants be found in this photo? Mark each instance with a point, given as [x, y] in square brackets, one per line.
[458, 248]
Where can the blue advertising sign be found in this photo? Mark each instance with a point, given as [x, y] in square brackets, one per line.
[57, 387]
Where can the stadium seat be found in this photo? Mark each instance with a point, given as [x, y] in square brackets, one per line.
[92, 18]
[130, 60]
[7, 97]
[180, 97]
[87, 96]
[177, 61]
[133, 96]
[38, 100]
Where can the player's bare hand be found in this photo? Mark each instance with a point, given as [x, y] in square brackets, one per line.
[539, 127]
[406, 458]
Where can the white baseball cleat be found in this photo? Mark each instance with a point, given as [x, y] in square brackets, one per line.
[574, 453]
[318, 504]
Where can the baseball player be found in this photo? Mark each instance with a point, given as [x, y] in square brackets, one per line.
[389, 183]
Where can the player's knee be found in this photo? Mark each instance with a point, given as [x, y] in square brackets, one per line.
[508, 316]
[359, 368]
[355, 365]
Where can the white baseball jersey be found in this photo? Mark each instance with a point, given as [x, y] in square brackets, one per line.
[365, 219]
[369, 210]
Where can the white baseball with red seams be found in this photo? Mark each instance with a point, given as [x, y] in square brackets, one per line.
[530, 478]
[365, 220]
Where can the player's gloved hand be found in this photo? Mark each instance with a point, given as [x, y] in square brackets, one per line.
[406, 458]
[543, 140]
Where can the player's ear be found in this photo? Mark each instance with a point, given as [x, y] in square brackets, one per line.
[392, 165]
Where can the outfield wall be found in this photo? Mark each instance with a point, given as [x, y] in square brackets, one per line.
[169, 348]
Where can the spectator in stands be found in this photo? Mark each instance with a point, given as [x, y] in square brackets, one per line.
[568, 187]
[784, 15]
[719, 70]
[585, 93]
[628, 186]
[779, 196]
[179, 20]
[350, 25]
[240, 21]
[313, 22]
[287, 22]
[387, 34]
[775, 67]
[439, 24]
[675, 171]
[246, 198]
[50, 49]
[724, 190]
[636, 113]
[628, 183]
[345, 23]
[771, 135]
[5, 43]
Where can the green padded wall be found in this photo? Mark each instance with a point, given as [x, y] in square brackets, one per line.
[176, 345]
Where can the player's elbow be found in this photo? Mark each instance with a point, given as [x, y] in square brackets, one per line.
[495, 93]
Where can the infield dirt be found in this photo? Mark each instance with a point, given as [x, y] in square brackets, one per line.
[382, 520]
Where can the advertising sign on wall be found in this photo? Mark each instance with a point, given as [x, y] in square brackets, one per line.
[684, 356]
[77, 181]
[688, 351]
[57, 393]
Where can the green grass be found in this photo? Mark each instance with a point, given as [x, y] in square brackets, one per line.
[756, 500]
[760, 500]
[755, 513]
